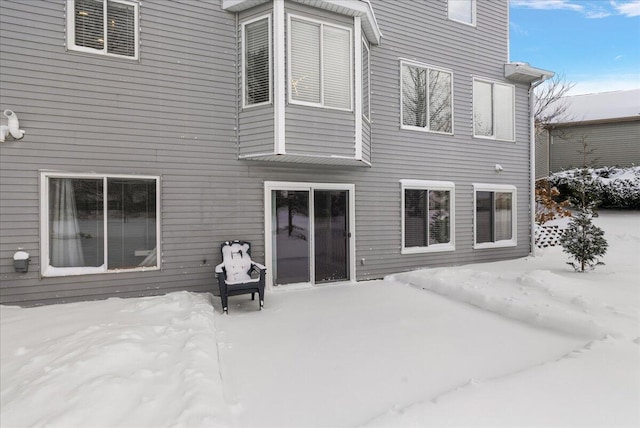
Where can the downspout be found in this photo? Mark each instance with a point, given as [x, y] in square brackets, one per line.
[532, 159]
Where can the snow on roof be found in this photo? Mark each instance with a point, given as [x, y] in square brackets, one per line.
[601, 106]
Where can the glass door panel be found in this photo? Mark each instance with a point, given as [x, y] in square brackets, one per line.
[291, 230]
[331, 235]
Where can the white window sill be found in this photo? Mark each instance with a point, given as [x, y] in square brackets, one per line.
[51, 271]
[438, 248]
[498, 244]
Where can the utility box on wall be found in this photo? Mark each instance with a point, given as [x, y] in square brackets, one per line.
[21, 261]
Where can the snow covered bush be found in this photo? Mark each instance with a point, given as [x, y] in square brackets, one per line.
[614, 187]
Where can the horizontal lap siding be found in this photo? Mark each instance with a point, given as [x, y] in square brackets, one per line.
[170, 114]
[175, 116]
[613, 144]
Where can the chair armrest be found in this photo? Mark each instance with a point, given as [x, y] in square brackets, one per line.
[258, 265]
[220, 268]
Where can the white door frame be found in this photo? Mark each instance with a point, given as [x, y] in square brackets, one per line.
[270, 186]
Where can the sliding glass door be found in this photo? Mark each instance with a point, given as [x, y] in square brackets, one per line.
[310, 235]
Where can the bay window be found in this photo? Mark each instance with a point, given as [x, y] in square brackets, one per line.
[256, 59]
[427, 216]
[93, 223]
[320, 64]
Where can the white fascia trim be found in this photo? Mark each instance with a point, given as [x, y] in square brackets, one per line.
[279, 77]
[504, 188]
[429, 185]
[361, 8]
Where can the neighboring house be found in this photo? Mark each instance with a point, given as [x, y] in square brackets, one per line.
[345, 140]
[609, 124]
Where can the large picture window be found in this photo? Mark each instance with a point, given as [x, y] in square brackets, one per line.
[320, 64]
[94, 224]
[427, 216]
[495, 216]
[108, 27]
[493, 110]
[256, 57]
[426, 98]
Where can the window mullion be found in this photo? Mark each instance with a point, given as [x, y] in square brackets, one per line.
[105, 229]
[105, 23]
[427, 98]
[426, 217]
[322, 65]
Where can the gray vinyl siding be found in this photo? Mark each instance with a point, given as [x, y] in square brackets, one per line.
[255, 124]
[173, 114]
[613, 144]
[366, 141]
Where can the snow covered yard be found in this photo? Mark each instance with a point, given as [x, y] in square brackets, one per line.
[526, 342]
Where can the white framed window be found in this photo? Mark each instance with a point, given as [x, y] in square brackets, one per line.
[320, 64]
[494, 216]
[93, 223]
[256, 61]
[426, 95]
[428, 213]
[463, 11]
[366, 81]
[107, 27]
[493, 110]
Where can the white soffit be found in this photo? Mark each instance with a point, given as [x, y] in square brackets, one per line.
[361, 8]
[524, 73]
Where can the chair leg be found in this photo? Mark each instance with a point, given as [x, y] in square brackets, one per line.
[253, 296]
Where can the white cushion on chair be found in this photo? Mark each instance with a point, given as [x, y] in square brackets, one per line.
[237, 263]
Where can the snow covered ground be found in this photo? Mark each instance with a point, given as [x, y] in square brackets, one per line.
[519, 343]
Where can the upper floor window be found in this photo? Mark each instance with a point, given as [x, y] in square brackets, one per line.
[366, 84]
[320, 64]
[493, 110]
[462, 11]
[97, 223]
[426, 94]
[427, 216]
[108, 27]
[256, 58]
[495, 215]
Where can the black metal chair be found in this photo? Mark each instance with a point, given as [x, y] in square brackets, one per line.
[238, 274]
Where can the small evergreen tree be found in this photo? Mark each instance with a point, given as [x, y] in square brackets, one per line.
[583, 240]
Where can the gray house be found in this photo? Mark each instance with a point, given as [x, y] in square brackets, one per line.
[345, 139]
[609, 124]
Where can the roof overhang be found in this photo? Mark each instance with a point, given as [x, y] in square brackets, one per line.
[307, 159]
[359, 8]
[522, 72]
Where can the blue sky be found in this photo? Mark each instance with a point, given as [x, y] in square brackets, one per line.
[595, 44]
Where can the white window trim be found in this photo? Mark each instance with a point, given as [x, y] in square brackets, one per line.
[428, 185]
[495, 119]
[322, 24]
[501, 188]
[71, 28]
[50, 271]
[365, 43]
[473, 15]
[244, 61]
[404, 62]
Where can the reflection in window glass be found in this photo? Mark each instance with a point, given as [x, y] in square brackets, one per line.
[494, 216]
[292, 239]
[427, 217]
[482, 108]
